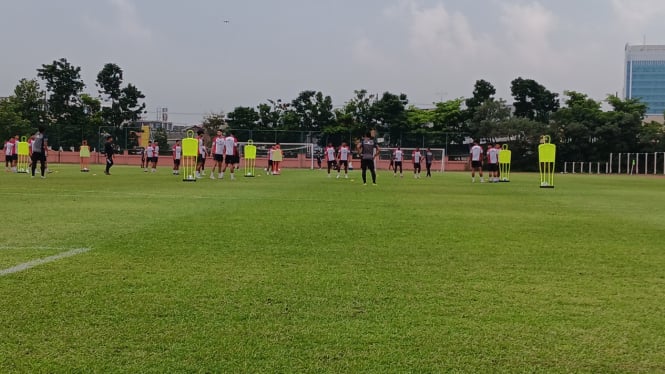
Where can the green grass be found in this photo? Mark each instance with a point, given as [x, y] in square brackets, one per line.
[301, 273]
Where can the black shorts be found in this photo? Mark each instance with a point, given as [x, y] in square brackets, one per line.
[476, 164]
[155, 159]
[398, 164]
[176, 162]
[218, 158]
[232, 159]
[200, 159]
[38, 156]
[331, 164]
[492, 167]
[343, 163]
[416, 165]
[12, 158]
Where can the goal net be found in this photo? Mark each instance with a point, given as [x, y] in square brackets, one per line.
[289, 150]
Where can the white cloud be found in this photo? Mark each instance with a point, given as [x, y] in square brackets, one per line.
[122, 22]
[634, 14]
[528, 29]
[365, 53]
[444, 36]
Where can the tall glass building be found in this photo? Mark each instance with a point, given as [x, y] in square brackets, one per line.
[645, 76]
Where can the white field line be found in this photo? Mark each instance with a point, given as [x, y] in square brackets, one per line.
[41, 261]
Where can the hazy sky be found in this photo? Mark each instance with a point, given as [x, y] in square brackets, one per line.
[183, 55]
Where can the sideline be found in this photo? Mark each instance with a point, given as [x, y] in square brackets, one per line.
[41, 261]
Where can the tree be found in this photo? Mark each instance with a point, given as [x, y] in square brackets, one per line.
[159, 135]
[389, 112]
[652, 137]
[623, 125]
[532, 100]
[575, 127]
[124, 101]
[524, 139]
[360, 110]
[29, 101]
[11, 122]
[482, 91]
[488, 121]
[64, 84]
[213, 122]
[92, 109]
[313, 109]
[244, 118]
[448, 118]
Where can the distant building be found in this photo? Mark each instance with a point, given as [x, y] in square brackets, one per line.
[644, 75]
[154, 124]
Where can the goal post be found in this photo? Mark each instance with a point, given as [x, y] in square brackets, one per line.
[290, 151]
[439, 155]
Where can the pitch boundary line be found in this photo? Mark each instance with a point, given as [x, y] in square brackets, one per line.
[41, 261]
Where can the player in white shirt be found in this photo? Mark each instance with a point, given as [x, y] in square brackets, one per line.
[217, 154]
[231, 156]
[177, 156]
[343, 158]
[329, 153]
[493, 163]
[398, 157]
[149, 154]
[417, 158]
[271, 151]
[9, 147]
[155, 156]
[476, 160]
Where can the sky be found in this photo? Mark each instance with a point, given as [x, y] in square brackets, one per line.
[184, 56]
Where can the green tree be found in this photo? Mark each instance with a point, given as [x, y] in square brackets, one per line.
[124, 102]
[489, 119]
[11, 122]
[92, 109]
[623, 124]
[482, 91]
[361, 112]
[533, 100]
[575, 128]
[652, 137]
[389, 113]
[29, 100]
[524, 139]
[159, 135]
[245, 120]
[64, 85]
[314, 110]
[213, 122]
[448, 119]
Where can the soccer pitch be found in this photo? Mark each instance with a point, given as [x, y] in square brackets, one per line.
[141, 272]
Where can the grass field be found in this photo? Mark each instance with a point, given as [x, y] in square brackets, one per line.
[301, 273]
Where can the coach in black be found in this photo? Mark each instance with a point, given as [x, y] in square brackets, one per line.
[39, 145]
[108, 149]
[368, 150]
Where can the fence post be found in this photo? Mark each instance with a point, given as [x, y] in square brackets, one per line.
[610, 163]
